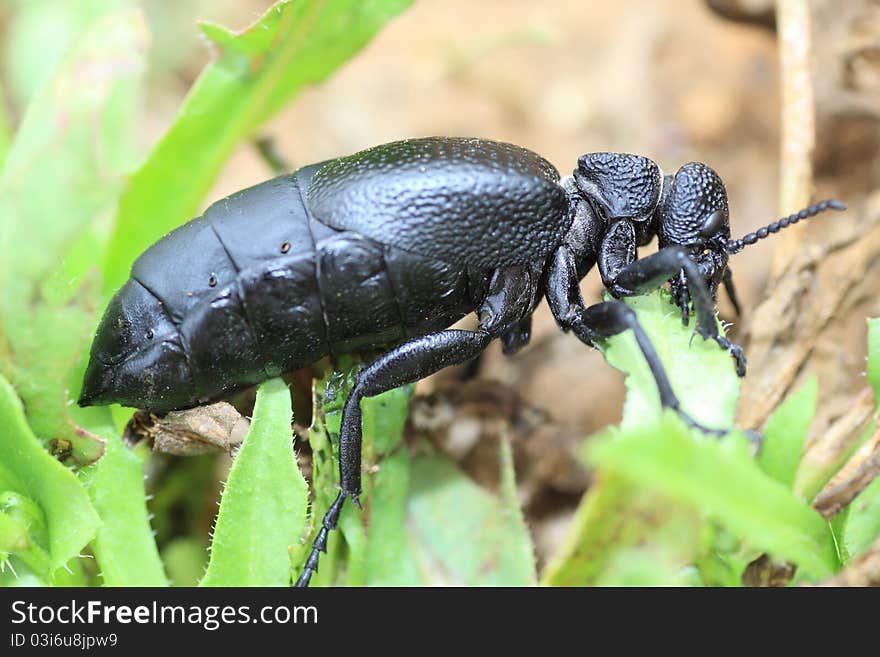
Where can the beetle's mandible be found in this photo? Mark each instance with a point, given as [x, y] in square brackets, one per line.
[385, 249]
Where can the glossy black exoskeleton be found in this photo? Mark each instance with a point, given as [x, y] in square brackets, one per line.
[385, 249]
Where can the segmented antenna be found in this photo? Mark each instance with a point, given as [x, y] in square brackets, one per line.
[735, 246]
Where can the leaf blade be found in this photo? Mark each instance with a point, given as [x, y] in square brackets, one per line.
[459, 533]
[786, 433]
[682, 353]
[124, 545]
[873, 371]
[264, 493]
[27, 468]
[723, 481]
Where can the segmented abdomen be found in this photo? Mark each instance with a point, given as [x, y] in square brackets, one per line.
[256, 287]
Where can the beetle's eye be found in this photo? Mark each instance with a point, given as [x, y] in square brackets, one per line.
[713, 224]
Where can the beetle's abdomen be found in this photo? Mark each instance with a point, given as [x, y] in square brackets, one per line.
[255, 287]
[470, 202]
[239, 284]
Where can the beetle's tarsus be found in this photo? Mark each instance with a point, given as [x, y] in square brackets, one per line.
[735, 351]
[328, 523]
[731, 291]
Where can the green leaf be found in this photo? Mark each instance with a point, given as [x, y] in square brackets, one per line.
[63, 172]
[13, 536]
[72, 134]
[460, 534]
[263, 506]
[873, 371]
[294, 44]
[721, 480]
[683, 353]
[70, 519]
[5, 130]
[522, 552]
[124, 547]
[647, 565]
[388, 561]
[862, 528]
[23, 532]
[38, 36]
[786, 432]
[614, 520]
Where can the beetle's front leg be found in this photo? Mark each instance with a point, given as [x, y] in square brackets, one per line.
[649, 273]
[604, 320]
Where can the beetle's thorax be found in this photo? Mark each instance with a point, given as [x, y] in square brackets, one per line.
[586, 225]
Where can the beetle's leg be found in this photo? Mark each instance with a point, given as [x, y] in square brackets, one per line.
[651, 272]
[731, 291]
[505, 304]
[603, 320]
[319, 545]
[517, 336]
[405, 364]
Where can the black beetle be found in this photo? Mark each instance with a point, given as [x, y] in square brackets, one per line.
[392, 245]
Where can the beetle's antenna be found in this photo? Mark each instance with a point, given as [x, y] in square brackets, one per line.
[735, 246]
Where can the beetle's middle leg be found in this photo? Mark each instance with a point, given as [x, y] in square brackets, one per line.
[510, 293]
[603, 320]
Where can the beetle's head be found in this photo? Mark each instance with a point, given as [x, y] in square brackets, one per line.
[694, 215]
[137, 359]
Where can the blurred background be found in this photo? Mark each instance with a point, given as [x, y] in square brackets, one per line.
[673, 81]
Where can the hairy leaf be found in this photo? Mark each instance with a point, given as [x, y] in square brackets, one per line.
[263, 507]
[124, 547]
[25, 467]
[873, 371]
[721, 480]
[701, 373]
[862, 527]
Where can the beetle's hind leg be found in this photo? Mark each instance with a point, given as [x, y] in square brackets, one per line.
[328, 524]
[504, 307]
[506, 304]
[405, 364]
